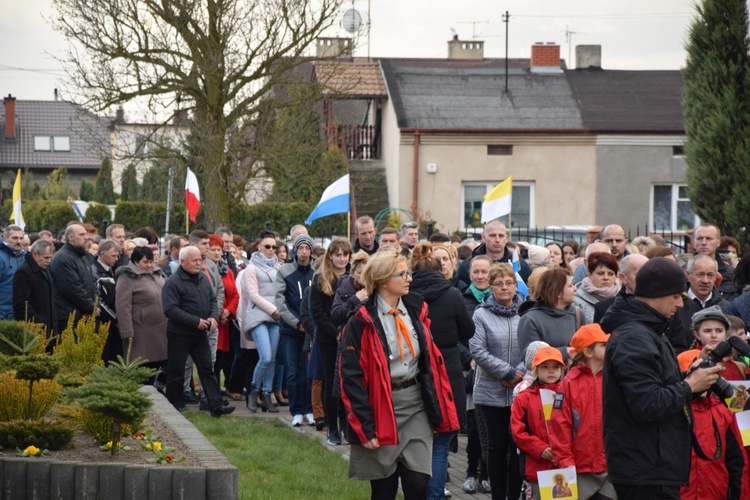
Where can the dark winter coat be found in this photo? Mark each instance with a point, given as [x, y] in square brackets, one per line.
[73, 284]
[450, 324]
[463, 269]
[9, 263]
[186, 299]
[326, 331]
[645, 401]
[345, 301]
[551, 325]
[291, 280]
[32, 294]
[691, 306]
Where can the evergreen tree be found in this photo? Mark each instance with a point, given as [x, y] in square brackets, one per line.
[86, 193]
[717, 115]
[105, 191]
[57, 185]
[130, 189]
[156, 182]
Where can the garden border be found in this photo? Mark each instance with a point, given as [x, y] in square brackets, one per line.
[215, 479]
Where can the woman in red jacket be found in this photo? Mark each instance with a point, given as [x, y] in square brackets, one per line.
[393, 384]
[527, 422]
[228, 309]
[576, 429]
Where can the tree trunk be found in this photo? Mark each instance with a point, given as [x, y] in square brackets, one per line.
[116, 440]
[30, 405]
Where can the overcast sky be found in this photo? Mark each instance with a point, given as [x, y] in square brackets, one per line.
[639, 34]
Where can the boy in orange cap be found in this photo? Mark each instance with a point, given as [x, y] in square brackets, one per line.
[527, 421]
[576, 430]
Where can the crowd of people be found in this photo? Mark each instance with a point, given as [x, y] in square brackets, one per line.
[394, 345]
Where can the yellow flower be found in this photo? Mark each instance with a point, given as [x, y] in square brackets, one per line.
[157, 445]
[31, 450]
[149, 446]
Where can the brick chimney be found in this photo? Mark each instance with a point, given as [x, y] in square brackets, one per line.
[459, 49]
[545, 58]
[10, 118]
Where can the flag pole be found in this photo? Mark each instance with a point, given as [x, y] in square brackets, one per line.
[348, 226]
[187, 220]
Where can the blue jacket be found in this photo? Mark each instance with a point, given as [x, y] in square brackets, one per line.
[291, 280]
[9, 262]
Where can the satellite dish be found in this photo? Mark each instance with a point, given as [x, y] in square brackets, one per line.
[351, 21]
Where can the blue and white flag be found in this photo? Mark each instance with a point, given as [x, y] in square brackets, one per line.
[335, 200]
[522, 288]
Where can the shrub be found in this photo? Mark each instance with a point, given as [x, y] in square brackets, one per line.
[14, 397]
[87, 191]
[137, 214]
[44, 434]
[100, 427]
[96, 213]
[17, 337]
[79, 352]
[53, 215]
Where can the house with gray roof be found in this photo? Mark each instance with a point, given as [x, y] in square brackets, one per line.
[42, 136]
[585, 147]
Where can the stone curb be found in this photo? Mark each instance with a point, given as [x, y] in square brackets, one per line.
[215, 479]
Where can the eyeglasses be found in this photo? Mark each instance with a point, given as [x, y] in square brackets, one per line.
[270, 247]
[404, 276]
[506, 284]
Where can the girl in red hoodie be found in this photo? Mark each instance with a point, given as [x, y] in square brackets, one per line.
[527, 420]
[576, 430]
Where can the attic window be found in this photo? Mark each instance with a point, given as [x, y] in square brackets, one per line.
[678, 151]
[61, 142]
[500, 149]
[42, 143]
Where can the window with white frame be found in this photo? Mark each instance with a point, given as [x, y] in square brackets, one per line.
[57, 143]
[671, 209]
[472, 194]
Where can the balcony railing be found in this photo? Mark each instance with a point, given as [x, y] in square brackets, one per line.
[358, 142]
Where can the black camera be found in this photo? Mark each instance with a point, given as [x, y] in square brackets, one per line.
[722, 388]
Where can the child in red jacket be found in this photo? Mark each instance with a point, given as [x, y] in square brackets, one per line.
[527, 420]
[718, 464]
[576, 429]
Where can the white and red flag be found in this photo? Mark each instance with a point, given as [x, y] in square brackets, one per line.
[192, 195]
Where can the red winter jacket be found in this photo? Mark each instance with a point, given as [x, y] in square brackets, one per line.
[530, 429]
[576, 430]
[364, 372]
[710, 477]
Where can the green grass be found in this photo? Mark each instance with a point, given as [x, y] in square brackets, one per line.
[276, 462]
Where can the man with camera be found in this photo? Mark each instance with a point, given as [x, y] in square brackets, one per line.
[645, 400]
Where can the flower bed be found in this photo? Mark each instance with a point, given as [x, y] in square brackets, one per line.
[206, 474]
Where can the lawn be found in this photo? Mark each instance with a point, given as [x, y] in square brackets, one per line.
[276, 462]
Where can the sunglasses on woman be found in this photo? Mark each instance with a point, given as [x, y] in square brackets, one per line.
[269, 247]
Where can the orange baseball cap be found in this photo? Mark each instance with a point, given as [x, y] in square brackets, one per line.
[547, 354]
[686, 358]
[587, 335]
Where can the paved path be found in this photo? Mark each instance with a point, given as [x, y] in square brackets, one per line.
[457, 461]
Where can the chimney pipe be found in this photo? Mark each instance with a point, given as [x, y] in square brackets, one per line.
[545, 58]
[10, 118]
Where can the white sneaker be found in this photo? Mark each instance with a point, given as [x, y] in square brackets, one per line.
[310, 419]
[296, 420]
[447, 493]
[470, 485]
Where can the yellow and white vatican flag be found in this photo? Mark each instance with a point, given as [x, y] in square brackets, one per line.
[497, 202]
[17, 216]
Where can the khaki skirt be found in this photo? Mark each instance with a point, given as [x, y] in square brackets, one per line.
[414, 448]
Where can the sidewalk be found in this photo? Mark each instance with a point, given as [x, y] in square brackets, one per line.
[457, 461]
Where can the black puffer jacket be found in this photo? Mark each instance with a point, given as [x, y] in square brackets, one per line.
[186, 299]
[345, 301]
[450, 323]
[646, 402]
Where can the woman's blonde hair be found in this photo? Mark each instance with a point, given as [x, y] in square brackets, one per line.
[379, 268]
[422, 257]
[451, 250]
[326, 274]
[359, 258]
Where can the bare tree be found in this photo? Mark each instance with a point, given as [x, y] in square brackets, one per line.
[215, 58]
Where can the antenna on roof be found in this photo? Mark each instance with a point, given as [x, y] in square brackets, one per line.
[473, 27]
[569, 37]
[506, 20]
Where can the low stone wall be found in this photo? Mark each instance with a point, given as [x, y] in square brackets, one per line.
[215, 479]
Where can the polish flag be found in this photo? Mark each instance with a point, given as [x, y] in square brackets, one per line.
[192, 195]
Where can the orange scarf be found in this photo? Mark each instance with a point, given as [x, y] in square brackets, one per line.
[403, 333]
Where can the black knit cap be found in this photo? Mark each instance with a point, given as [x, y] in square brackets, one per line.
[659, 277]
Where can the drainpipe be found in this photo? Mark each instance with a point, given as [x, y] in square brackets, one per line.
[415, 175]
